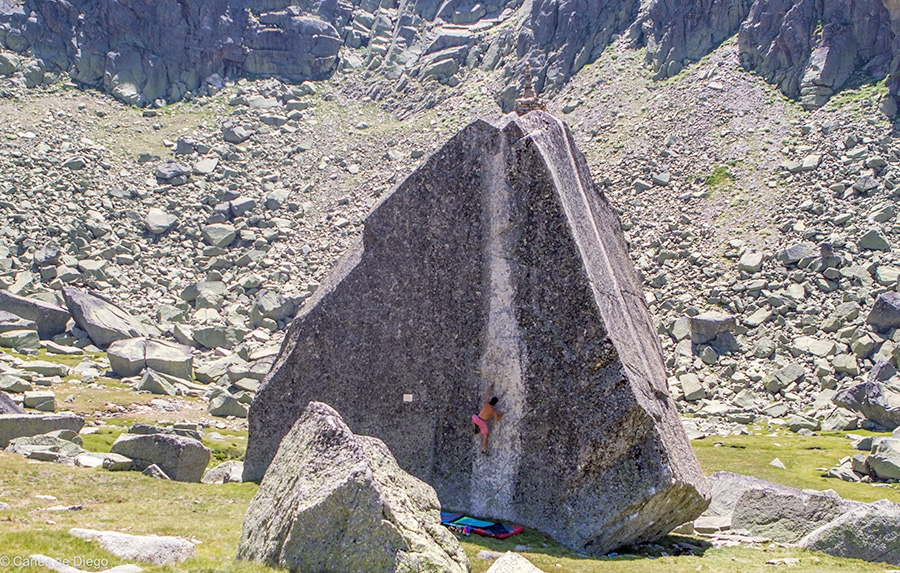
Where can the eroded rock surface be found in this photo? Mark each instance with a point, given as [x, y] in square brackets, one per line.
[339, 502]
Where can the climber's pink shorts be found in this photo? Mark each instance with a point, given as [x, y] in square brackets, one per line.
[482, 425]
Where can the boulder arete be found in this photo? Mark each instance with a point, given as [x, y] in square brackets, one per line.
[497, 260]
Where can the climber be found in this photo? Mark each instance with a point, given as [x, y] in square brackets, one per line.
[487, 412]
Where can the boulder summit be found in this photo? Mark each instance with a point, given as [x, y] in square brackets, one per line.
[498, 260]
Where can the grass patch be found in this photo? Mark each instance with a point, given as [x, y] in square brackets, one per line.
[801, 456]
[131, 502]
[102, 440]
[720, 177]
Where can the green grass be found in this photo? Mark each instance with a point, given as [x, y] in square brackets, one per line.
[130, 502]
[801, 456]
[720, 177]
[213, 515]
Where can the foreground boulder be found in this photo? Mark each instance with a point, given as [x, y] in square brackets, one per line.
[868, 532]
[786, 514]
[159, 550]
[181, 458]
[498, 260]
[20, 425]
[103, 321]
[49, 319]
[333, 501]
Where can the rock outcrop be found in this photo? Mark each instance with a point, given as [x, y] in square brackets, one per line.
[808, 49]
[497, 260]
[146, 50]
[339, 502]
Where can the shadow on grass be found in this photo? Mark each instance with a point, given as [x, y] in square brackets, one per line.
[536, 543]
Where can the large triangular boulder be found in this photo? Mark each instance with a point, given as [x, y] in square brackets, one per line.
[334, 501]
[498, 260]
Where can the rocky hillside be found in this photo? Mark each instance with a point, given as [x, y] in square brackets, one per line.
[151, 52]
[214, 219]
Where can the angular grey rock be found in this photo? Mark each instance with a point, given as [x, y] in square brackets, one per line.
[511, 562]
[751, 262]
[19, 425]
[785, 514]
[328, 489]
[155, 471]
[7, 406]
[796, 253]
[151, 429]
[225, 405]
[219, 336]
[54, 449]
[874, 401]
[20, 339]
[49, 319]
[169, 358]
[707, 326]
[885, 458]
[126, 357]
[496, 246]
[156, 549]
[874, 240]
[117, 463]
[182, 459]
[269, 304]
[236, 134]
[171, 170]
[47, 256]
[885, 313]
[218, 234]
[159, 222]
[104, 322]
[227, 472]
[155, 383]
[868, 532]
[43, 400]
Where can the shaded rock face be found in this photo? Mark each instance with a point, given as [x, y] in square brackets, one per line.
[808, 48]
[565, 40]
[333, 501]
[49, 319]
[15, 425]
[497, 260]
[7, 406]
[674, 31]
[142, 50]
[874, 400]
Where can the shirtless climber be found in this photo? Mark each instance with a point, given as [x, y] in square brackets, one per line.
[487, 412]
